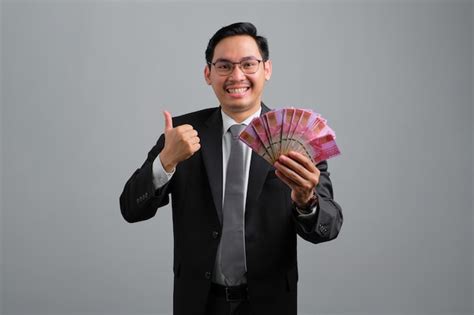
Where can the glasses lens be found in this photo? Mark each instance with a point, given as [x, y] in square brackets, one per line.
[249, 66]
[223, 67]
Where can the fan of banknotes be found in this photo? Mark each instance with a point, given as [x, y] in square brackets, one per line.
[291, 129]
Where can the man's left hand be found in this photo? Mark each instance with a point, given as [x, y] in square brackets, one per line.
[300, 174]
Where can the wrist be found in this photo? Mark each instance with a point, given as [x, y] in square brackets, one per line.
[308, 204]
[168, 165]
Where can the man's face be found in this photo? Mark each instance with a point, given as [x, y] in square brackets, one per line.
[239, 94]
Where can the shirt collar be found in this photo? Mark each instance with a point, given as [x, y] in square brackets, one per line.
[227, 121]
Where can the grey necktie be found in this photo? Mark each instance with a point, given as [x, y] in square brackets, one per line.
[232, 241]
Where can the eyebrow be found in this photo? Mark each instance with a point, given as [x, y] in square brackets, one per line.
[243, 59]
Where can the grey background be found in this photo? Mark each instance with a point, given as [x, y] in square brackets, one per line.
[83, 87]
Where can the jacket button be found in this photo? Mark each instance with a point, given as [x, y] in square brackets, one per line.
[207, 275]
[215, 235]
[323, 229]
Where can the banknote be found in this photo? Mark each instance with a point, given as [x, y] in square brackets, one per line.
[301, 127]
[273, 121]
[250, 138]
[324, 148]
[294, 124]
[259, 129]
[286, 124]
[291, 129]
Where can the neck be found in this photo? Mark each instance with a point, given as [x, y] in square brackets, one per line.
[239, 116]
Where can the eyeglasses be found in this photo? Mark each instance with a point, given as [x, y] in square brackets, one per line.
[224, 67]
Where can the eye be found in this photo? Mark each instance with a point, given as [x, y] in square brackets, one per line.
[249, 64]
[223, 65]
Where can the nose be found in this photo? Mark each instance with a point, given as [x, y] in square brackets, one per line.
[237, 74]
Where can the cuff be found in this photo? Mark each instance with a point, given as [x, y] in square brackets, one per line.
[311, 208]
[306, 212]
[160, 176]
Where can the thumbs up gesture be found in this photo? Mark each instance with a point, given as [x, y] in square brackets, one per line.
[180, 143]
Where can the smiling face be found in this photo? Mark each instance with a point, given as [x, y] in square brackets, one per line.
[239, 94]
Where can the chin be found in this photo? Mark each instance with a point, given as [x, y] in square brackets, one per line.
[237, 107]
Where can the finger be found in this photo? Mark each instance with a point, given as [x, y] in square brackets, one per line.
[303, 160]
[295, 166]
[298, 181]
[184, 128]
[285, 173]
[193, 140]
[168, 121]
[189, 134]
[196, 147]
[285, 179]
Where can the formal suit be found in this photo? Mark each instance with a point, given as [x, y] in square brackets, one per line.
[271, 221]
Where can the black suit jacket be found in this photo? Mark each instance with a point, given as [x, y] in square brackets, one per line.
[271, 221]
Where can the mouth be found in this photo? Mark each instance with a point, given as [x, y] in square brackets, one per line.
[237, 91]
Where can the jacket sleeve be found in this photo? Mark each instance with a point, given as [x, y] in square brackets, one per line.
[140, 200]
[325, 223]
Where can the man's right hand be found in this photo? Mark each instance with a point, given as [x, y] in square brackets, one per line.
[180, 143]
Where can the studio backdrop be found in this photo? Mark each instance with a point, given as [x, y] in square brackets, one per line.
[84, 84]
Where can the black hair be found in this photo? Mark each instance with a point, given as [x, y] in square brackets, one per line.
[241, 28]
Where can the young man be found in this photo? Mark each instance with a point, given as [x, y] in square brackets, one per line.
[235, 216]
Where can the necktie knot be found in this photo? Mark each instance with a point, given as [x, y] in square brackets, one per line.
[235, 130]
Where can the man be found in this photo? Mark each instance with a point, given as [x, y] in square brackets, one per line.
[235, 216]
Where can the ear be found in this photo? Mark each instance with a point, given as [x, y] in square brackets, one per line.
[207, 75]
[268, 69]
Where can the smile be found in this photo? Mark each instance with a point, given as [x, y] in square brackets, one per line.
[238, 91]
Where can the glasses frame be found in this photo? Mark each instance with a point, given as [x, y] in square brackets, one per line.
[236, 63]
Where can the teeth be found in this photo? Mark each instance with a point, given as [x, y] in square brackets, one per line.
[241, 90]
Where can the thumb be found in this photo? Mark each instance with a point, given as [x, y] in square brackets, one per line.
[168, 121]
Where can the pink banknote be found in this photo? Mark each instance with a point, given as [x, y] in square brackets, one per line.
[273, 120]
[259, 128]
[287, 118]
[324, 148]
[291, 129]
[250, 138]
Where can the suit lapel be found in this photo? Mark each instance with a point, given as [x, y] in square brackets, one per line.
[211, 149]
[257, 175]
